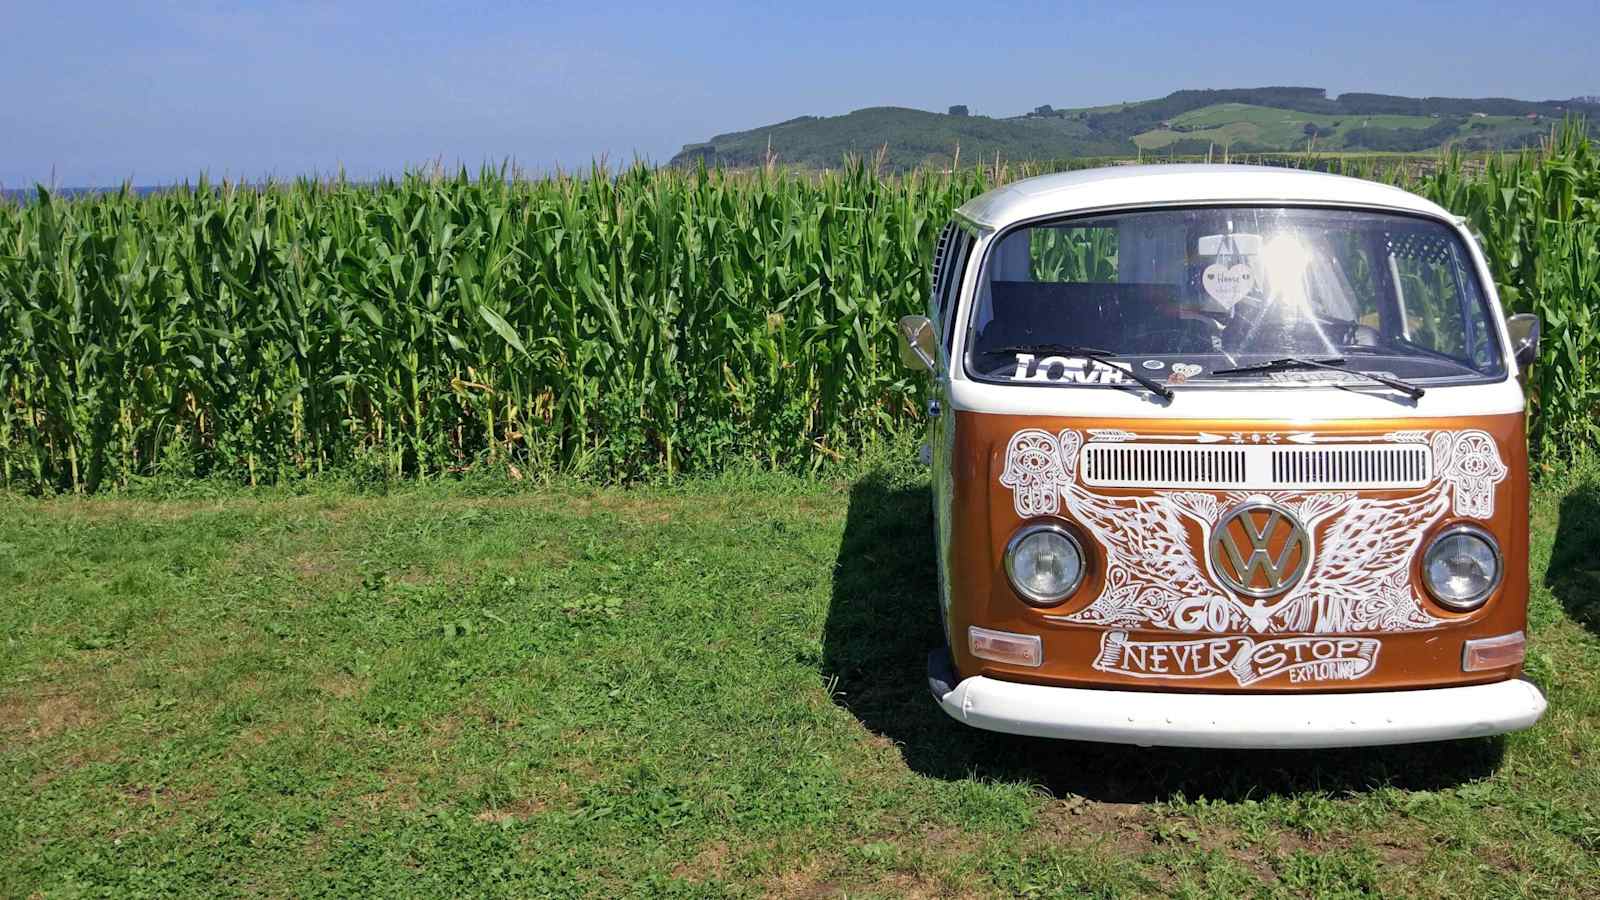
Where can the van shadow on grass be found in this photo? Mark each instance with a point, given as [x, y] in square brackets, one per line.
[884, 619]
[1573, 575]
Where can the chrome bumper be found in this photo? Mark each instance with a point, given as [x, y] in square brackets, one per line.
[1240, 721]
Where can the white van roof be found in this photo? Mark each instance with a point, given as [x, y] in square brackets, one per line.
[1181, 183]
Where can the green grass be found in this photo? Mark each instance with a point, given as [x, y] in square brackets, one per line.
[1269, 115]
[710, 689]
[1243, 123]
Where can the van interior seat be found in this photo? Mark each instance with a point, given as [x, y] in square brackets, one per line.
[1091, 314]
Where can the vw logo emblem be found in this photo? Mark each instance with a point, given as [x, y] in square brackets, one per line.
[1260, 549]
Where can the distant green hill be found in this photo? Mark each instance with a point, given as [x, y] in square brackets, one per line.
[1250, 120]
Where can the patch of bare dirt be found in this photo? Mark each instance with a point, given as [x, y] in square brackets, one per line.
[1121, 828]
[416, 576]
[1402, 856]
[1232, 845]
[344, 508]
[442, 732]
[73, 762]
[580, 767]
[38, 718]
[805, 883]
[638, 509]
[343, 685]
[933, 844]
[166, 796]
[160, 806]
[263, 733]
[1291, 840]
[400, 792]
[710, 862]
[522, 809]
[312, 567]
[103, 509]
[912, 887]
[943, 840]
[1130, 830]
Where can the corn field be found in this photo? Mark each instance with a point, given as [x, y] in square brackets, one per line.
[1537, 216]
[609, 326]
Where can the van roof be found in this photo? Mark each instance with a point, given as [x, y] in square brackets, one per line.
[1180, 183]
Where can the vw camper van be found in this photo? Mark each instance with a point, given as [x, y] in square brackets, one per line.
[1225, 456]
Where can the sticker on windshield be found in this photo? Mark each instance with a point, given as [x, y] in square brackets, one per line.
[1228, 284]
[1153, 364]
[1069, 369]
[1323, 377]
[1182, 372]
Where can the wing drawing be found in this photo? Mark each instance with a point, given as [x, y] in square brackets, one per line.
[1359, 579]
[1151, 569]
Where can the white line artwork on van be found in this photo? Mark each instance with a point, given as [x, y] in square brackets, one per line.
[1155, 579]
[1310, 658]
[1473, 469]
[1119, 435]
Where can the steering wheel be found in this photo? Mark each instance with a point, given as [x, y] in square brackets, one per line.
[1188, 336]
[1255, 311]
[1342, 332]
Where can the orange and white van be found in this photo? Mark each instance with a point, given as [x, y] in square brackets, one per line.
[1225, 456]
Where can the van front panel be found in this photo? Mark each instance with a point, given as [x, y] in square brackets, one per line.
[1237, 555]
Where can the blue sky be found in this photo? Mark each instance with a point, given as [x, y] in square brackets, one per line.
[160, 90]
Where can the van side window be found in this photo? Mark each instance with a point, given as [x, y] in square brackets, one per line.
[955, 265]
[941, 253]
[1438, 314]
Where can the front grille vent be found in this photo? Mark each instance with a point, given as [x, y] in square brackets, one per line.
[1405, 466]
[1255, 466]
[1114, 465]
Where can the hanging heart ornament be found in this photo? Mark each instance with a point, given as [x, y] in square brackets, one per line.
[1227, 284]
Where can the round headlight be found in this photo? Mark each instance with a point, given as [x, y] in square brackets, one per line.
[1045, 563]
[1462, 567]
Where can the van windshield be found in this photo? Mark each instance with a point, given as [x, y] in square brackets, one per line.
[1184, 293]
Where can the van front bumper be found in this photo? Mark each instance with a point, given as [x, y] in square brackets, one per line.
[1239, 721]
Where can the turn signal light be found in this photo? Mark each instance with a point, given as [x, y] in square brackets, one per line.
[1493, 653]
[1003, 646]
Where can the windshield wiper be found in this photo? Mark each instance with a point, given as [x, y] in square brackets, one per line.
[1093, 354]
[1332, 363]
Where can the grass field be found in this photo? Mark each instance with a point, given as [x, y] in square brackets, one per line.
[711, 689]
[1230, 123]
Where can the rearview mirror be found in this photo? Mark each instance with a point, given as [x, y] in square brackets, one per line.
[1524, 328]
[917, 343]
[1238, 244]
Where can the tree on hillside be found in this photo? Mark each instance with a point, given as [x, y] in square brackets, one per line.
[960, 109]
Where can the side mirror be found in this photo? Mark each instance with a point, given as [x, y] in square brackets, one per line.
[1524, 328]
[917, 343]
